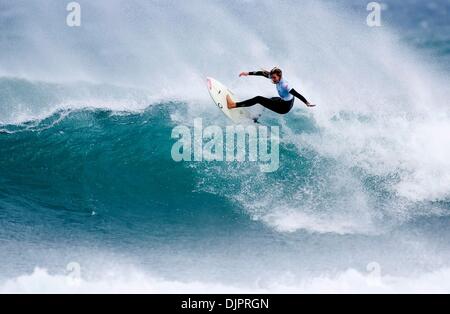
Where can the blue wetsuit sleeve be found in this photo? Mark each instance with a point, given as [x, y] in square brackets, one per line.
[297, 94]
[259, 73]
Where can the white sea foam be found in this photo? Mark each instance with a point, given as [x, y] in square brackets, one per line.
[135, 281]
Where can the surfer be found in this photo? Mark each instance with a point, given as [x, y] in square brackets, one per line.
[280, 105]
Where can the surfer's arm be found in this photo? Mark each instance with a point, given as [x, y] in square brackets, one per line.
[299, 96]
[259, 73]
[255, 73]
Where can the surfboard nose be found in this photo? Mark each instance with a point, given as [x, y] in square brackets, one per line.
[209, 83]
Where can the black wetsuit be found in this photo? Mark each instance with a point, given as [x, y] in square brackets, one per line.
[276, 104]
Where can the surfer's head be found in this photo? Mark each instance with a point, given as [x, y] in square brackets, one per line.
[275, 75]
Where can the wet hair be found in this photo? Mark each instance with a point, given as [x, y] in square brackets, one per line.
[276, 71]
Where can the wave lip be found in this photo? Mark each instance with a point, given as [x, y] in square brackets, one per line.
[23, 100]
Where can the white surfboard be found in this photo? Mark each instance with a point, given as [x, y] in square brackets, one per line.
[218, 93]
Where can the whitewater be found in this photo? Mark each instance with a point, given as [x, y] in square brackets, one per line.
[91, 200]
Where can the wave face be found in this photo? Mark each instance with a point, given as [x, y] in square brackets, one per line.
[86, 173]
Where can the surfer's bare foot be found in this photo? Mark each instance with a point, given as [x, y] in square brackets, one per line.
[230, 103]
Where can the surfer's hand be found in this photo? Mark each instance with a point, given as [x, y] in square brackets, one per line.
[310, 105]
[243, 74]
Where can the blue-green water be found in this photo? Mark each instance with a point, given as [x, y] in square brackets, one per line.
[87, 176]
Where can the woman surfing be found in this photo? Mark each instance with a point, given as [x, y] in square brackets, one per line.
[280, 105]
